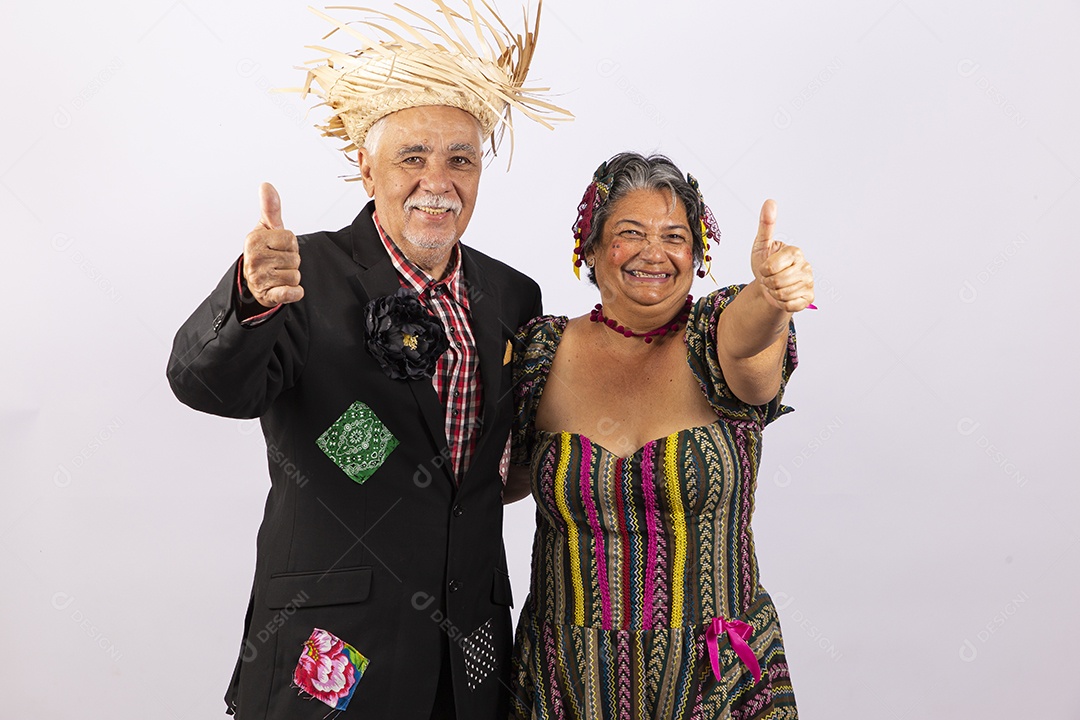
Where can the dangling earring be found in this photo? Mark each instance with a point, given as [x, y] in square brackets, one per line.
[709, 230]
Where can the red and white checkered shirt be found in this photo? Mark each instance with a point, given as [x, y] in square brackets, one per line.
[457, 378]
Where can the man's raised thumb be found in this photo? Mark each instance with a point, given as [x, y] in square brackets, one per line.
[270, 207]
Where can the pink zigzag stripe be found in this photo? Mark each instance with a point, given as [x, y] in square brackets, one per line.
[598, 537]
[742, 441]
[550, 652]
[651, 530]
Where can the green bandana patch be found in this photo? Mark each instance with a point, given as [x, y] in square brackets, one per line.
[358, 442]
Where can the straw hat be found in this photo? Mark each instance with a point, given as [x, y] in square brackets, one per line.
[475, 64]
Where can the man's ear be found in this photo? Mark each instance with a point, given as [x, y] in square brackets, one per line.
[365, 160]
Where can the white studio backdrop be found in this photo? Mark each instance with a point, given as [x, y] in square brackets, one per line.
[915, 516]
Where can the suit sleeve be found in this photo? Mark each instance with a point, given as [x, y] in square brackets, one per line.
[532, 302]
[538, 304]
[221, 367]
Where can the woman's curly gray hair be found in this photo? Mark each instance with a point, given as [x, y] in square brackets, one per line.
[630, 171]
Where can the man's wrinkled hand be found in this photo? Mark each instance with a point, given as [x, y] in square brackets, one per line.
[272, 255]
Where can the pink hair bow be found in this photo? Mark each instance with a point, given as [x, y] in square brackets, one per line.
[738, 633]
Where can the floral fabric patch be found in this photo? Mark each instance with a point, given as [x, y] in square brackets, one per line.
[479, 655]
[329, 669]
[358, 442]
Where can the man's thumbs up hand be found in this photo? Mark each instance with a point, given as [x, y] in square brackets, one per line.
[785, 277]
[270, 204]
[272, 255]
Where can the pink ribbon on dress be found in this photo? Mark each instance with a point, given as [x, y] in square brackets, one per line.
[738, 633]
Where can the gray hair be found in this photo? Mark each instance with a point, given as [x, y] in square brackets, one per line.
[374, 134]
[632, 171]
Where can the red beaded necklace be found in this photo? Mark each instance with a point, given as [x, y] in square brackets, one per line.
[597, 316]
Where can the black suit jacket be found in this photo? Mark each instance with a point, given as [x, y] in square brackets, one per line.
[408, 559]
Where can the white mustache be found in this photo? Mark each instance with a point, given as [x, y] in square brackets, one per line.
[439, 202]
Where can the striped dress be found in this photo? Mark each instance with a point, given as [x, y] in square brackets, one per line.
[644, 600]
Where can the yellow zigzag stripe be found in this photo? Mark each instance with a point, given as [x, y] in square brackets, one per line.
[571, 528]
[678, 525]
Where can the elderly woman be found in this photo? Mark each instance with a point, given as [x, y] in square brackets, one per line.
[639, 432]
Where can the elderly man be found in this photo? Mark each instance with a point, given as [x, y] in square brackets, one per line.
[376, 358]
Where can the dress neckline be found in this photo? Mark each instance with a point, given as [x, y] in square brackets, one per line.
[656, 441]
[558, 324]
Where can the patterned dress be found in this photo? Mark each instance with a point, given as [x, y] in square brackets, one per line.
[644, 577]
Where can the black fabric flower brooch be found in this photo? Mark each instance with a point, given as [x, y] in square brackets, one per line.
[403, 336]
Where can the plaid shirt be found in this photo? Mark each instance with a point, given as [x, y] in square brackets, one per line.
[456, 379]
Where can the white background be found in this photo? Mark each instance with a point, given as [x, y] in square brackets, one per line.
[916, 515]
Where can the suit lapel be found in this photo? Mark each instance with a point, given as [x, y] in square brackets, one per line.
[377, 277]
